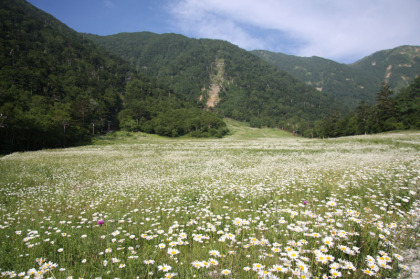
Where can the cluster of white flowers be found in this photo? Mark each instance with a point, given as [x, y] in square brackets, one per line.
[276, 208]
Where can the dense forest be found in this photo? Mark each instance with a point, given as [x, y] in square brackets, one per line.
[152, 109]
[251, 90]
[59, 89]
[391, 112]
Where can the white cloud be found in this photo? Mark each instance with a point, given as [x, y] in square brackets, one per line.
[328, 28]
[194, 19]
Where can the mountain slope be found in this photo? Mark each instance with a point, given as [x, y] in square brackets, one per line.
[57, 88]
[398, 66]
[173, 59]
[249, 89]
[53, 82]
[355, 82]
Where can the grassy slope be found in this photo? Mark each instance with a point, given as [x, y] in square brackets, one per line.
[240, 130]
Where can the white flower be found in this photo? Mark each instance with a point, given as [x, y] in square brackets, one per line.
[331, 203]
[172, 251]
[197, 264]
[148, 261]
[293, 254]
[164, 267]
[214, 253]
[257, 266]
[117, 232]
[226, 272]
[170, 275]
[213, 261]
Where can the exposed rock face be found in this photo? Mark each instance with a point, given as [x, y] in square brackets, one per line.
[216, 83]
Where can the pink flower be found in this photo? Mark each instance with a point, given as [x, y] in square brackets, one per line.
[100, 222]
[305, 202]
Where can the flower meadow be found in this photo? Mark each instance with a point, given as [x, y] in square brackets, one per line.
[264, 206]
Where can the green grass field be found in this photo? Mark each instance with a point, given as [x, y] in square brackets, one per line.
[259, 203]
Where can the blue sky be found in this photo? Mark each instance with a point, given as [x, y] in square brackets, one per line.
[344, 31]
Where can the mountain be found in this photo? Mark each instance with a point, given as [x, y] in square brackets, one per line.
[352, 83]
[57, 88]
[398, 67]
[222, 77]
[60, 88]
[53, 82]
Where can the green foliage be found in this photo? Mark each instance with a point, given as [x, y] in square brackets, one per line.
[181, 63]
[251, 90]
[196, 122]
[390, 113]
[385, 108]
[53, 82]
[149, 110]
[59, 89]
[408, 105]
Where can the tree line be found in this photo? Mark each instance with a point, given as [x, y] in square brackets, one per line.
[155, 110]
[391, 112]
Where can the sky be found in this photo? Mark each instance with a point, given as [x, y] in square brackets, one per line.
[342, 30]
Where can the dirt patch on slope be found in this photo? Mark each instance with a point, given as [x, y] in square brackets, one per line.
[216, 81]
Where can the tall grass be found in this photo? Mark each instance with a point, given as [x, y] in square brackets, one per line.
[257, 204]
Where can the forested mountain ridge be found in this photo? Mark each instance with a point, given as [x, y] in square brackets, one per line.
[352, 83]
[53, 83]
[174, 59]
[252, 89]
[58, 88]
[398, 67]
